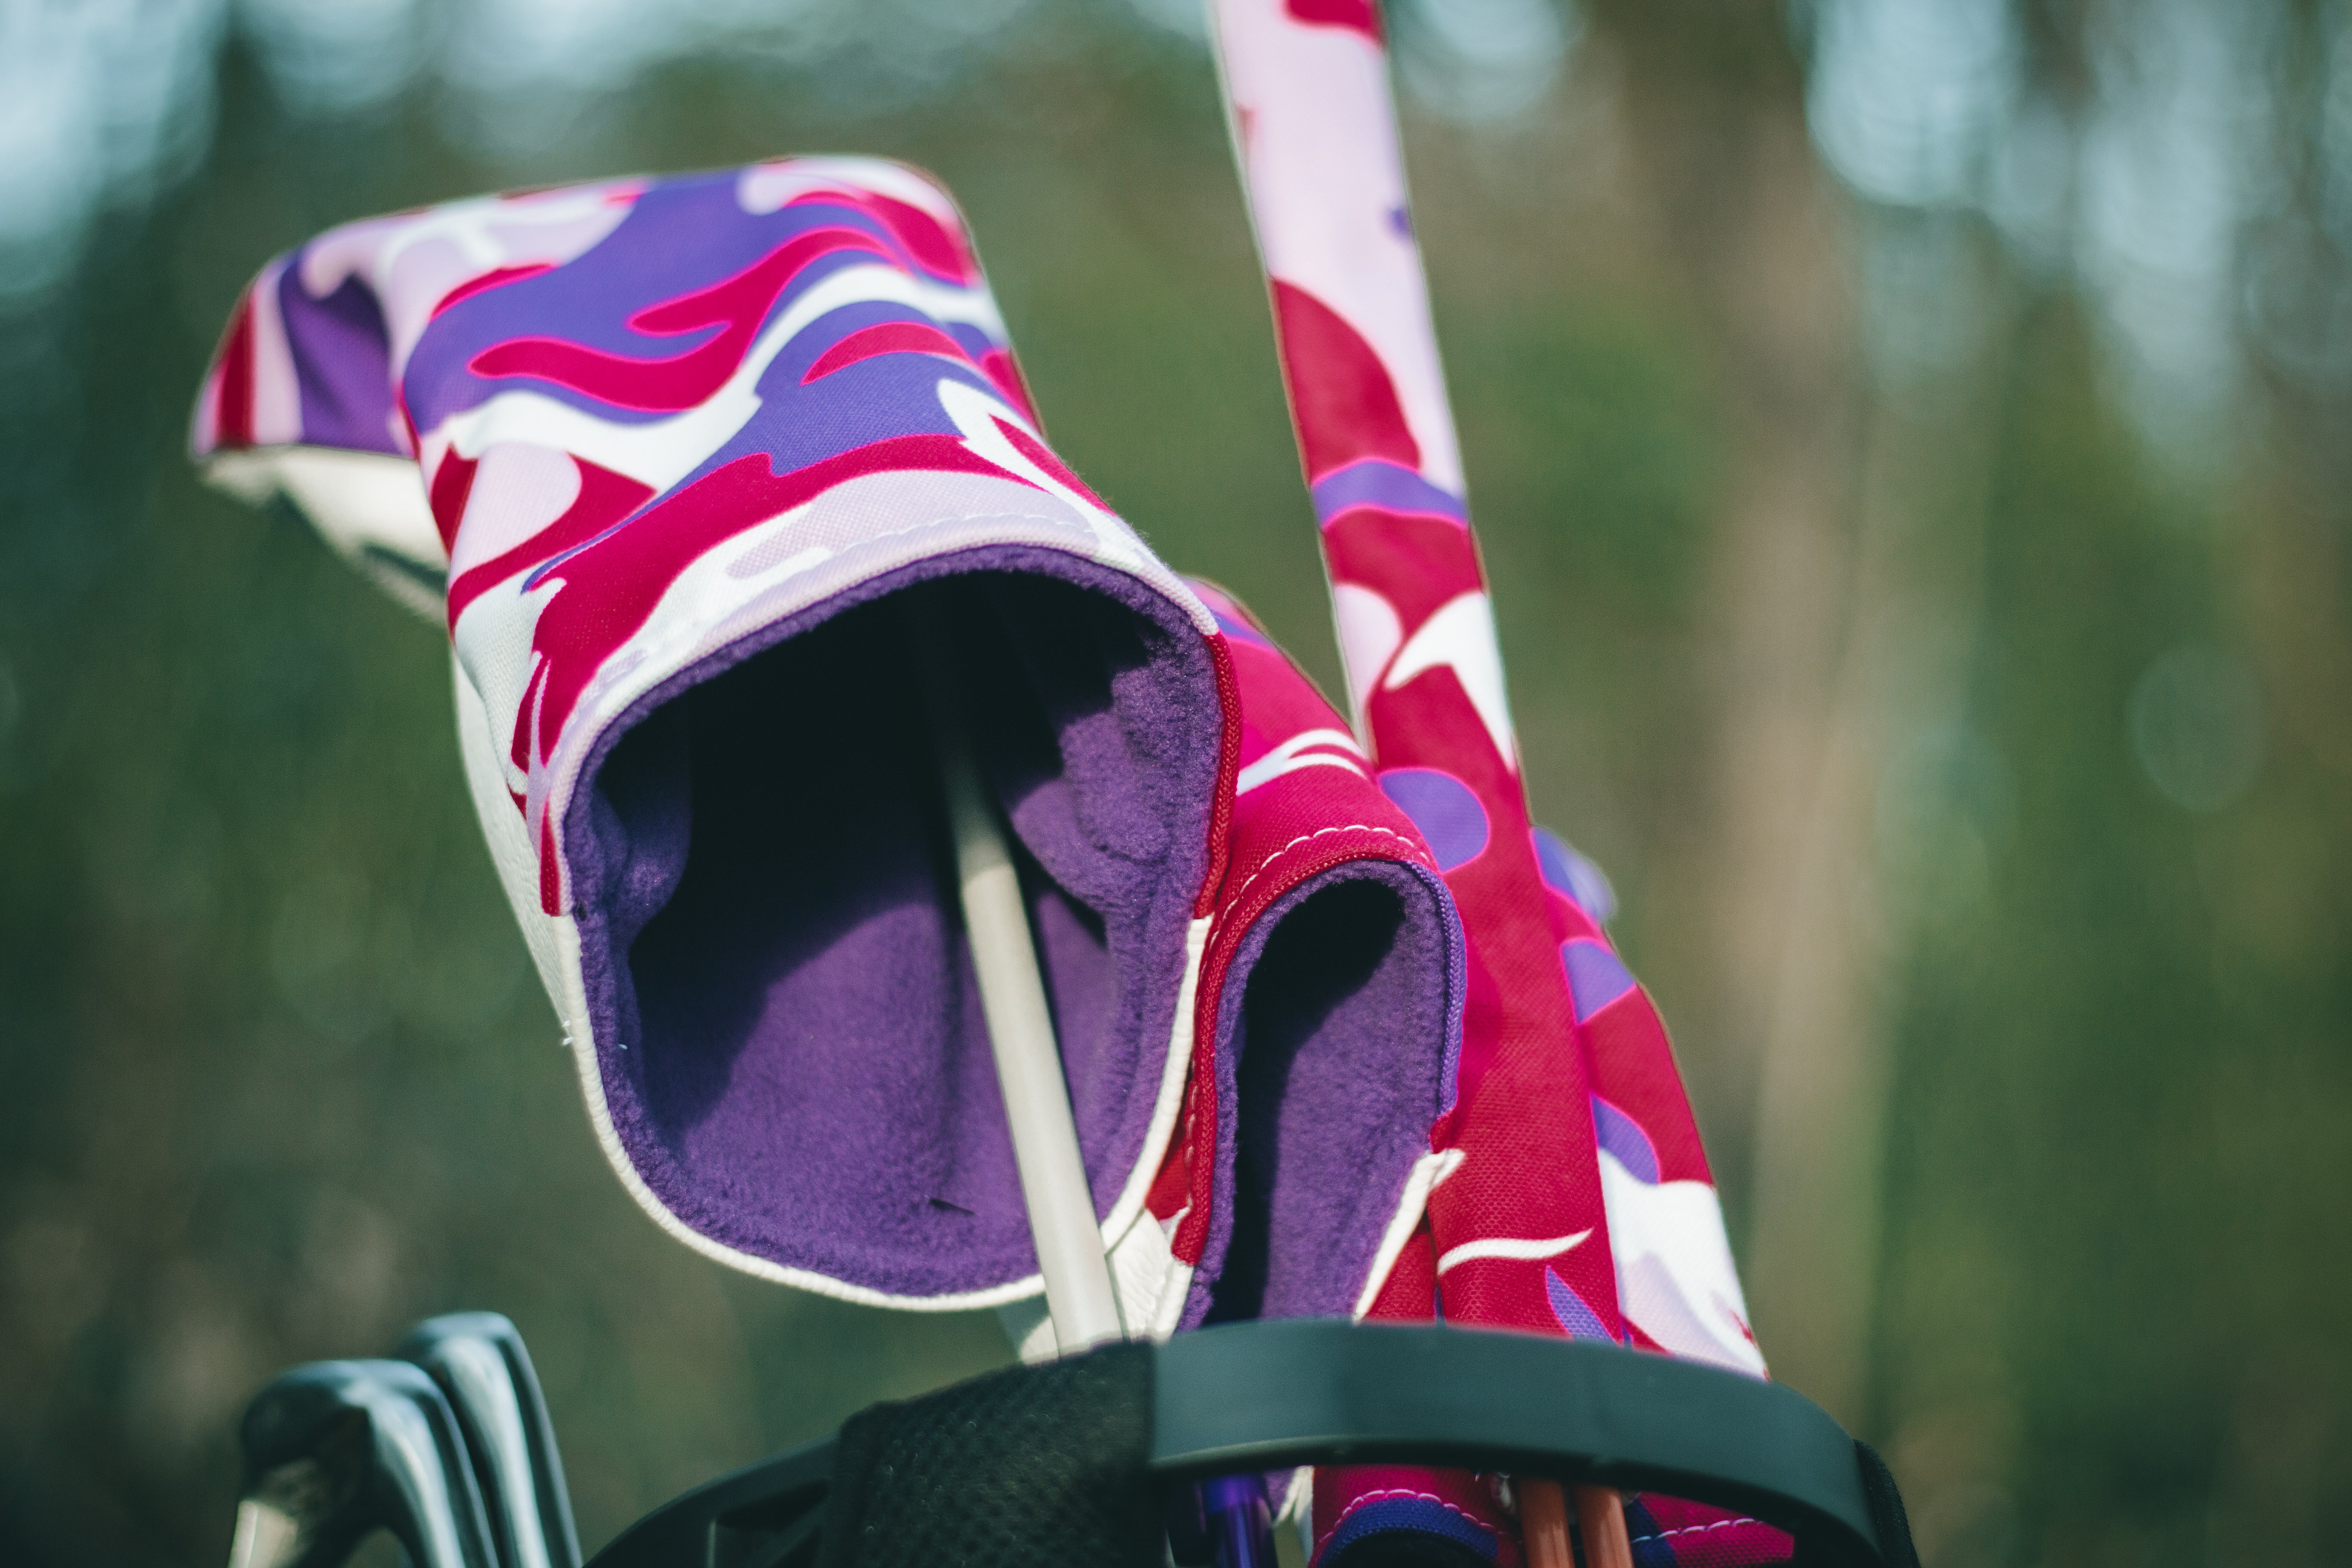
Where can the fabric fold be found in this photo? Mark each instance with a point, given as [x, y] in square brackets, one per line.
[1327, 1021]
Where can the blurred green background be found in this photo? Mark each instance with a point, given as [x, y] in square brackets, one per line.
[1910, 439]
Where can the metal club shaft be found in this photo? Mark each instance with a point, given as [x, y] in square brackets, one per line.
[1078, 1294]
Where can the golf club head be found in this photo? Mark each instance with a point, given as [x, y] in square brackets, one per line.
[337, 1449]
[482, 1366]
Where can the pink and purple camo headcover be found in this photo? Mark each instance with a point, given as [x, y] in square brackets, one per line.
[1576, 1198]
[677, 459]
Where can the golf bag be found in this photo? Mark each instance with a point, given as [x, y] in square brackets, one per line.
[779, 636]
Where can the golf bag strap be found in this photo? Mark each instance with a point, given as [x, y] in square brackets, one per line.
[1026, 1466]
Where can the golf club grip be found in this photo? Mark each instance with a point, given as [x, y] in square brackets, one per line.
[1054, 1189]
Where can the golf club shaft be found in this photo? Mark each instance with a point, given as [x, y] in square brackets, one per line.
[1601, 1521]
[1543, 1523]
[1078, 1294]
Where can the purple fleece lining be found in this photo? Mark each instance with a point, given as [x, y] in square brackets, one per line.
[1338, 1028]
[341, 350]
[768, 914]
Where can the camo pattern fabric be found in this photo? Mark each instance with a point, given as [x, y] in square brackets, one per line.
[608, 432]
[1577, 1199]
[629, 377]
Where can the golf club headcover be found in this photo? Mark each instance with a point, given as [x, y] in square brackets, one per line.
[1583, 1204]
[680, 462]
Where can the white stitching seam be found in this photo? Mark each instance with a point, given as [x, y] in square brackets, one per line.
[1346, 827]
[1697, 1529]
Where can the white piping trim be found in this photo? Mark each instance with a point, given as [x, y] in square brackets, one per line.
[580, 1035]
[1128, 1211]
[574, 1007]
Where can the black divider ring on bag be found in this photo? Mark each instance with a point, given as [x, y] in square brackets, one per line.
[1071, 1462]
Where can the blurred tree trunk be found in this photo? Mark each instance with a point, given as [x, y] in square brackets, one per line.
[1782, 1027]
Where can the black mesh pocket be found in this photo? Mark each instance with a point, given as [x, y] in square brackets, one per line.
[1024, 1466]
